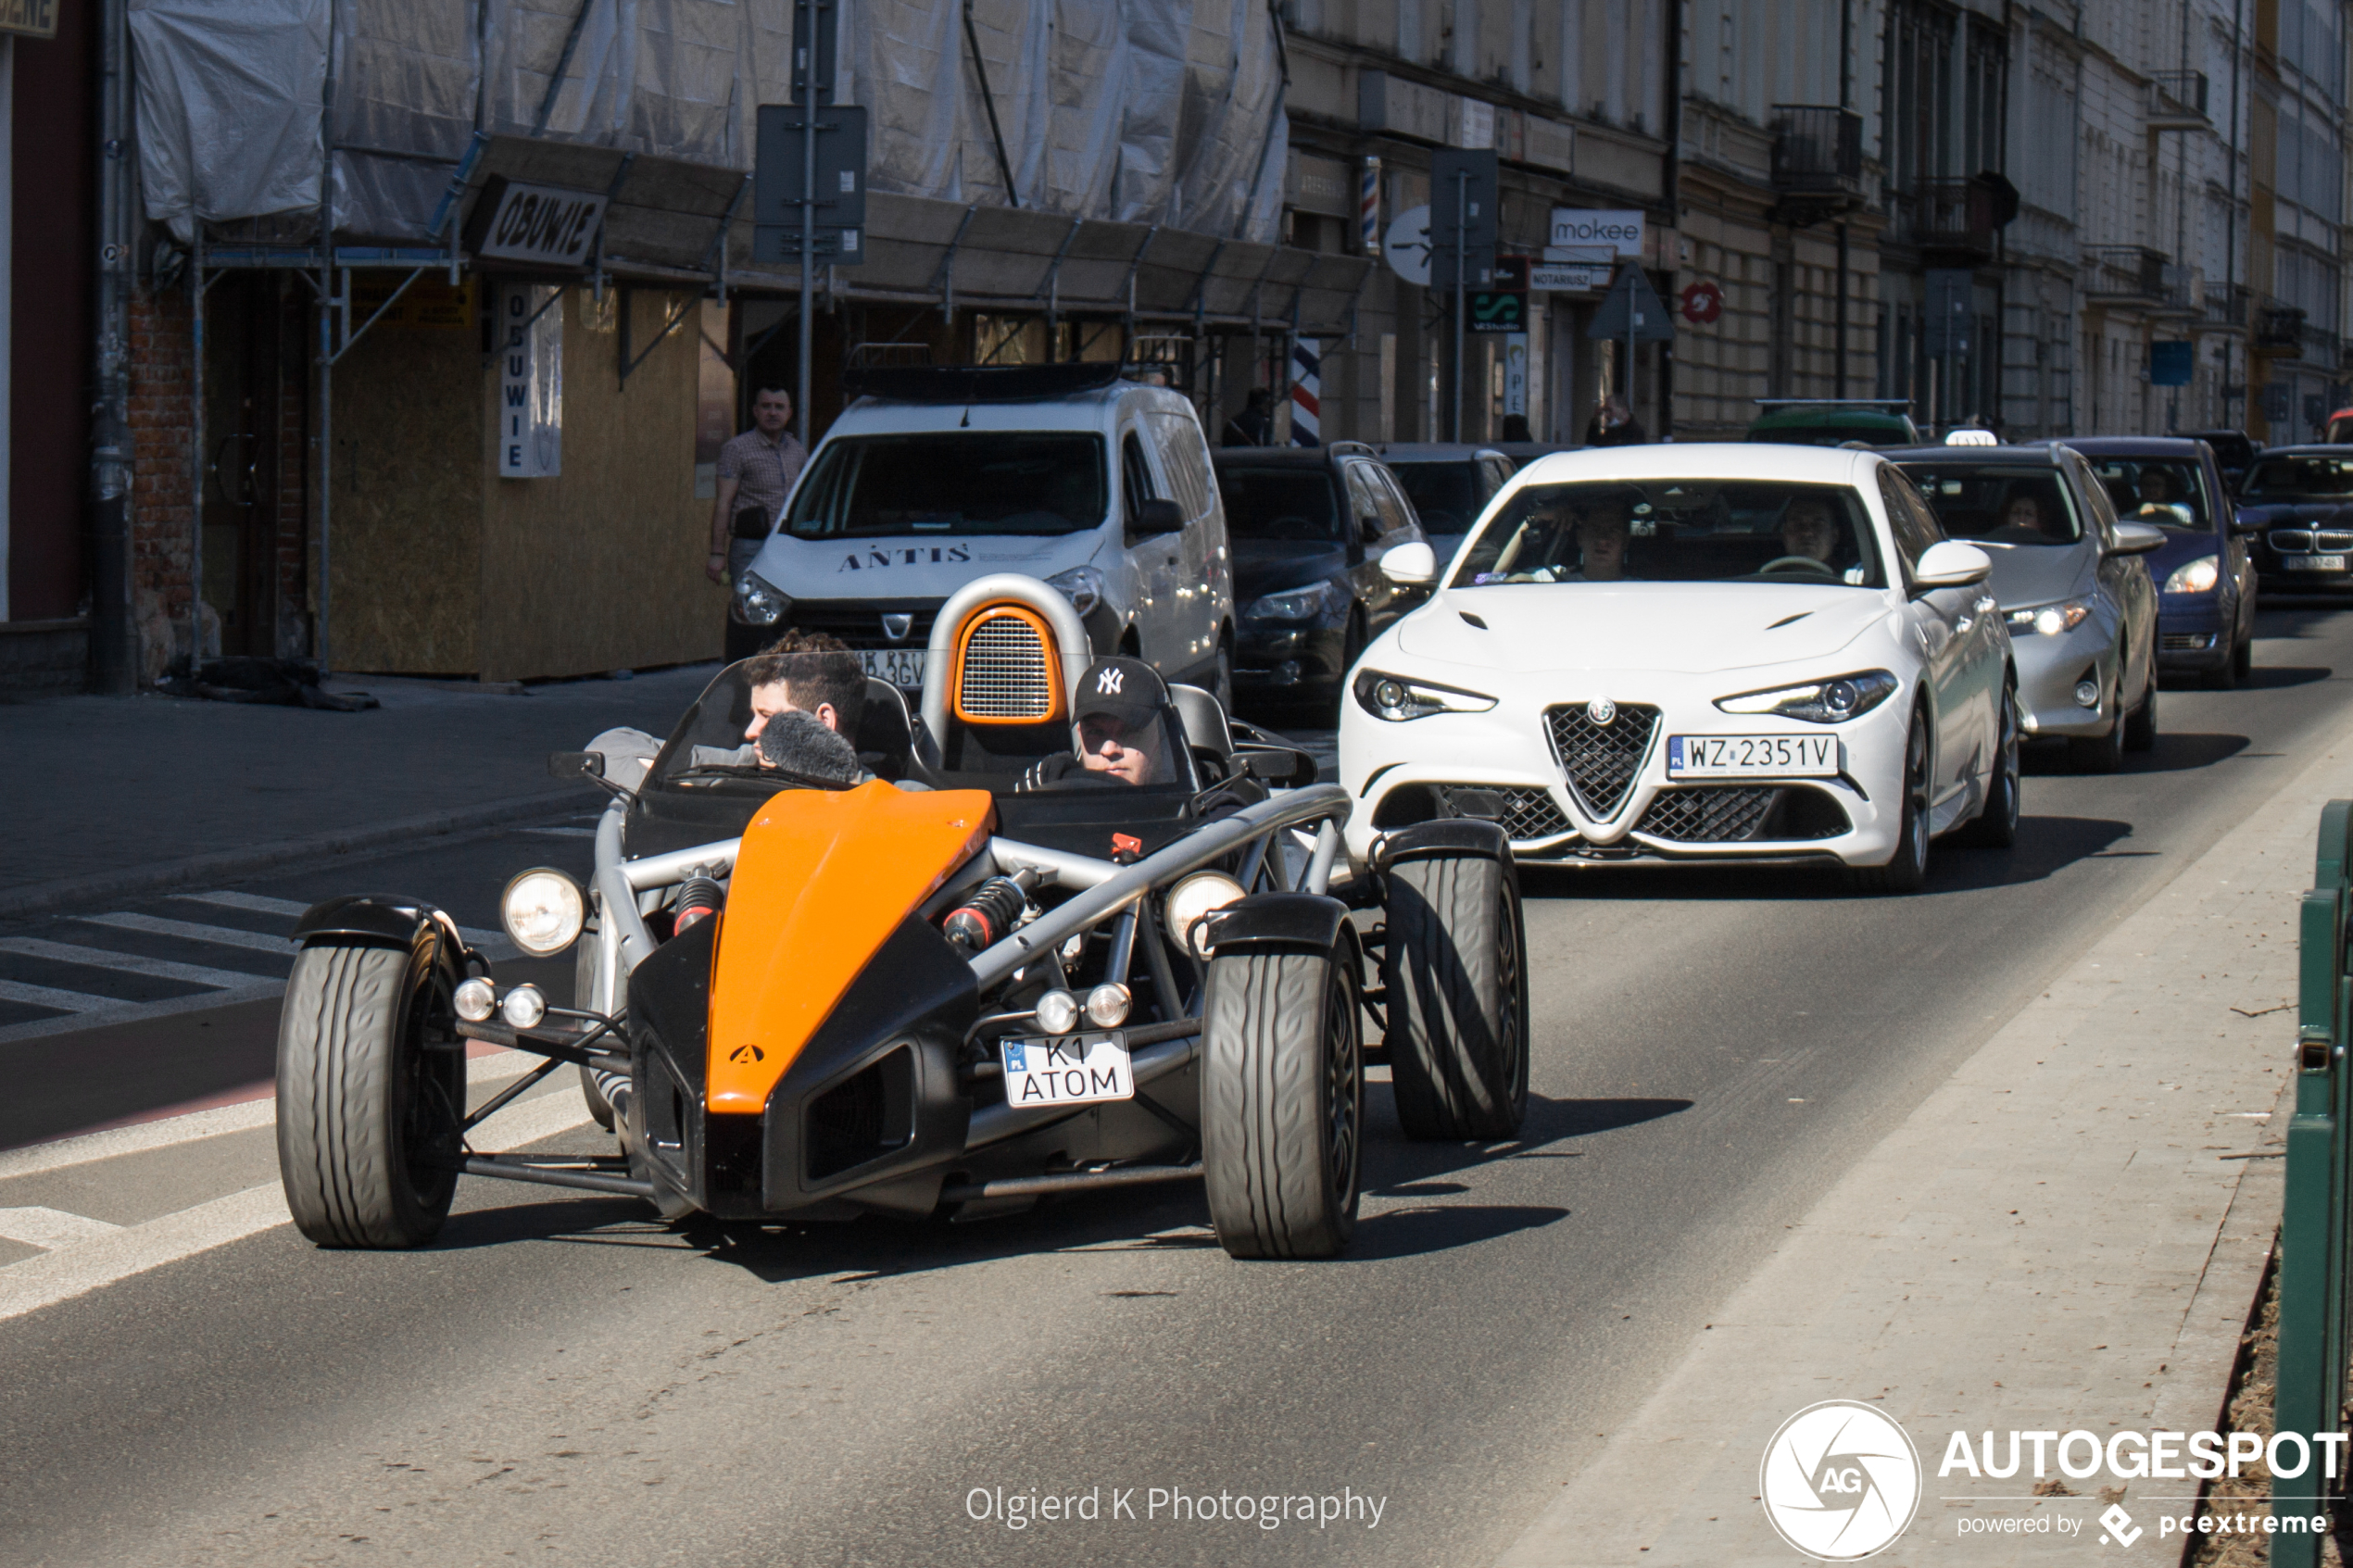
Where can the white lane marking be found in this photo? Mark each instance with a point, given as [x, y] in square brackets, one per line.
[256, 903]
[252, 901]
[118, 1141]
[51, 1228]
[563, 833]
[188, 931]
[118, 1012]
[50, 996]
[130, 963]
[91, 1266]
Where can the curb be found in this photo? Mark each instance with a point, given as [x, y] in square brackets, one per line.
[225, 864]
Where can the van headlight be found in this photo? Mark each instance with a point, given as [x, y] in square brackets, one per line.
[1398, 698]
[543, 911]
[758, 602]
[1833, 701]
[1082, 585]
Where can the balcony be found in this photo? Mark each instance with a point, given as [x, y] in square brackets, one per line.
[1955, 220]
[2226, 305]
[2177, 101]
[1817, 150]
[2279, 327]
[2133, 275]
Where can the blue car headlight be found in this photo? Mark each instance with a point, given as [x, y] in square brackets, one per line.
[2195, 576]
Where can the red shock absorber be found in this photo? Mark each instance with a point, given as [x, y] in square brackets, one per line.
[699, 898]
[983, 921]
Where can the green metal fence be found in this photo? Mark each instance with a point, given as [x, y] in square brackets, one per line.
[2314, 1217]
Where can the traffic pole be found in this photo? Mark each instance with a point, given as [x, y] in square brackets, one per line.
[1461, 244]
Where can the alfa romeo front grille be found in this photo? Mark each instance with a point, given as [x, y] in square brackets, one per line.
[1004, 672]
[1528, 813]
[1708, 814]
[1601, 759]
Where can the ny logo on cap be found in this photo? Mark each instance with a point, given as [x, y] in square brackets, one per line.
[1107, 682]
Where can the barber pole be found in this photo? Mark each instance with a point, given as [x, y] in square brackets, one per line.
[1368, 207]
[1306, 392]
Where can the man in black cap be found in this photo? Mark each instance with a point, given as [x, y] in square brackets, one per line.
[1121, 722]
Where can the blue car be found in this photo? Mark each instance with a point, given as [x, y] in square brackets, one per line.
[2205, 572]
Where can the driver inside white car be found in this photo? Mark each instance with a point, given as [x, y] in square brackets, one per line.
[1807, 529]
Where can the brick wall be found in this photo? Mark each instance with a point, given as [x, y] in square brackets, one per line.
[160, 510]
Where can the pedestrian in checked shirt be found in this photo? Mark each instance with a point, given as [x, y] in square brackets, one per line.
[755, 470]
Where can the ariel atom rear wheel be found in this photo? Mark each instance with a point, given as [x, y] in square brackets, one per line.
[1282, 1102]
[1454, 970]
[371, 1077]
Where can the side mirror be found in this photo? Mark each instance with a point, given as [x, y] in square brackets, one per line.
[1158, 516]
[575, 764]
[2137, 539]
[1954, 564]
[2246, 527]
[1279, 767]
[1411, 565]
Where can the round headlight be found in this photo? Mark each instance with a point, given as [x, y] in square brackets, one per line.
[1389, 694]
[1201, 894]
[525, 1007]
[1057, 1012]
[475, 999]
[1839, 696]
[1107, 1005]
[543, 911]
[2087, 694]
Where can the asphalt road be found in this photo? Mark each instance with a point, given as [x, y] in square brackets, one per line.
[560, 1380]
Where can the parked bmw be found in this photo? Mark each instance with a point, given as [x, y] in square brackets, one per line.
[2080, 606]
[2296, 502]
[2204, 572]
[1449, 484]
[1753, 652]
[1308, 527]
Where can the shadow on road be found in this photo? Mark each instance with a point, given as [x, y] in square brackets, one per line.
[2177, 751]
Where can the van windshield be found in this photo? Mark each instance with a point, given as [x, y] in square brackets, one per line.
[952, 483]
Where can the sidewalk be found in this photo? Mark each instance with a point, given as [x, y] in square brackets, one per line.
[2055, 1240]
[118, 795]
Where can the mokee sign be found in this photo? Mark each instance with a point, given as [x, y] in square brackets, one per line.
[1577, 228]
[543, 224]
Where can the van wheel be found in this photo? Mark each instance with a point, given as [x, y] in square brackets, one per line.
[371, 1077]
[1282, 1102]
[1454, 970]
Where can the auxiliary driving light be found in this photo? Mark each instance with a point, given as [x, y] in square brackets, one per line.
[1107, 1005]
[525, 1007]
[543, 911]
[2087, 694]
[1057, 1012]
[475, 999]
[1192, 900]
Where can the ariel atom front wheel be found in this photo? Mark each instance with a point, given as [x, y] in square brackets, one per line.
[371, 1077]
[1282, 1102]
[1453, 972]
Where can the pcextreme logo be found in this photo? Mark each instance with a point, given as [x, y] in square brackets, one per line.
[1840, 1481]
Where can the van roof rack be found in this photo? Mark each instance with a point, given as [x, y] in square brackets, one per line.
[981, 383]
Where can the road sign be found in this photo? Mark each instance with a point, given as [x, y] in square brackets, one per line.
[1464, 177]
[841, 184]
[1703, 302]
[1543, 277]
[1631, 309]
[2173, 363]
[1498, 311]
[1406, 248]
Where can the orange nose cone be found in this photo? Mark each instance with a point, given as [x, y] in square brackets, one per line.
[822, 878]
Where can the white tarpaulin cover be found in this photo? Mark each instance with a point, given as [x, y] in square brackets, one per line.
[1149, 111]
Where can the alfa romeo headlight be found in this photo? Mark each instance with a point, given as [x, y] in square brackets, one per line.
[2195, 576]
[1297, 604]
[1398, 699]
[1200, 894]
[1082, 585]
[2052, 619]
[543, 911]
[758, 602]
[1833, 701]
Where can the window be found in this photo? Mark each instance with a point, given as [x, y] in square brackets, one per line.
[1135, 477]
[1364, 500]
[1676, 530]
[1185, 458]
[1912, 521]
[1991, 505]
[1270, 503]
[953, 483]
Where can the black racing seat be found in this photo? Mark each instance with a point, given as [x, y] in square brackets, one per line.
[886, 738]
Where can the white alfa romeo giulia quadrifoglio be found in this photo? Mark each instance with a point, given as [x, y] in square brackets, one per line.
[1705, 652]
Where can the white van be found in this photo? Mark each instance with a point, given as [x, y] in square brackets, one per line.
[937, 475]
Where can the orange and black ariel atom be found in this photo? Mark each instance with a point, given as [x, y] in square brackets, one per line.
[946, 971]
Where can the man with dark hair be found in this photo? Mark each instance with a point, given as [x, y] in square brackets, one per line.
[1255, 426]
[756, 471]
[809, 672]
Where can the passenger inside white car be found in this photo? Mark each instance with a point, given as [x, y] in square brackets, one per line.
[1676, 530]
